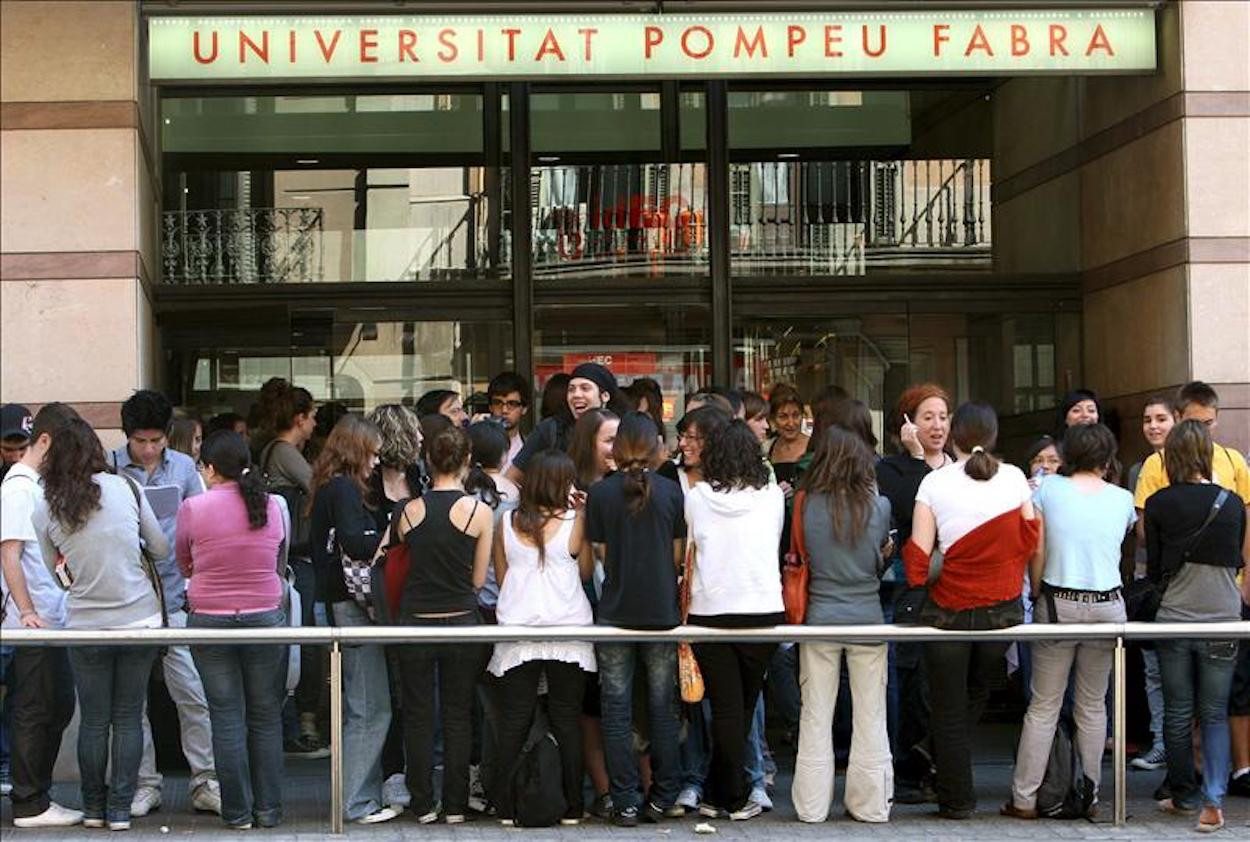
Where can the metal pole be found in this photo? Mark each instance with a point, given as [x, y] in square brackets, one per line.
[336, 737]
[1119, 757]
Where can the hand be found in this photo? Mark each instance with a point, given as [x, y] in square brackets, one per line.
[577, 499]
[909, 434]
[31, 620]
[479, 416]
[786, 488]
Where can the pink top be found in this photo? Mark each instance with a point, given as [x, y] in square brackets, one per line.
[231, 567]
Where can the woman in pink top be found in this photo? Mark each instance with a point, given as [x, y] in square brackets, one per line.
[232, 545]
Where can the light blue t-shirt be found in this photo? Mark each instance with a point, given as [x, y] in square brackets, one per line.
[1083, 533]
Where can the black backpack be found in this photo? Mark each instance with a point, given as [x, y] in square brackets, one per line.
[538, 777]
[1065, 792]
[296, 502]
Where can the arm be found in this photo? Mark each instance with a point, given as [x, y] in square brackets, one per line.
[15, 579]
[182, 539]
[515, 474]
[919, 547]
[580, 548]
[499, 557]
[1037, 564]
[484, 522]
[1245, 555]
[353, 527]
[284, 547]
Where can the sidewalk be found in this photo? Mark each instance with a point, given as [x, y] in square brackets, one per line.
[308, 817]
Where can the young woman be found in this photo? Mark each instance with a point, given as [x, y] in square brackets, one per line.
[1079, 406]
[187, 436]
[1198, 567]
[1042, 460]
[920, 427]
[978, 512]
[634, 520]
[290, 415]
[735, 519]
[102, 525]
[1076, 574]
[786, 417]
[536, 562]
[591, 446]
[755, 411]
[1158, 419]
[343, 528]
[443, 402]
[648, 399]
[846, 524]
[448, 534]
[488, 443]
[232, 547]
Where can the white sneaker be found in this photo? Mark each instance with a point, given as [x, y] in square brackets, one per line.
[477, 790]
[54, 816]
[395, 791]
[6, 786]
[206, 798]
[749, 811]
[379, 816]
[760, 796]
[119, 825]
[147, 799]
[428, 818]
[1154, 759]
[93, 823]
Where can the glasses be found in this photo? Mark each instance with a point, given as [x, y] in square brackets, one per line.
[500, 403]
[689, 436]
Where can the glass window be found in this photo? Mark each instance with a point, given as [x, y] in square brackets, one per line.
[309, 224]
[818, 119]
[313, 125]
[358, 363]
[851, 217]
[592, 122]
[670, 343]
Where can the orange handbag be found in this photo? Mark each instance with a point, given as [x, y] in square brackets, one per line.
[796, 570]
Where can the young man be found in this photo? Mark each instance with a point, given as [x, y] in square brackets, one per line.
[1198, 401]
[15, 425]
[42, 692]
[591, 386]
[167, 478]
[509, 397]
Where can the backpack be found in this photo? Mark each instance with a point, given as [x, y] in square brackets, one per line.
[296, 500]
[538, 777]
[1065, 792]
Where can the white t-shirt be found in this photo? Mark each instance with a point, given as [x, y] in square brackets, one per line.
[736, 536]
[961, 504]
[20, 493]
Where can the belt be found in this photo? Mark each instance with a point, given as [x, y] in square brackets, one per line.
[1085, 596]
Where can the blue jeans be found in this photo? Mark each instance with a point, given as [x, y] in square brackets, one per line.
[617, 664]
[696, 749]
[245, 686]
[755, 746]
[6, 713]
[112, 684]
[366, 717]
[1197, 677]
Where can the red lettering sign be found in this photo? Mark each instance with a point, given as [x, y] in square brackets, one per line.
[1058, 32]
[328, 52]
[757, 42]
[1098, 41]
[1019, 40]
[587, 34]
[709, 42]
[447, 37]
[651, 38]
[549, 45]
[368, 46]
[795, 35]
[195, 47]
[868, 50]
[261, 50]
[940, 37]
[407, 45]
[978, 41]
[511, 35]
[833, 35]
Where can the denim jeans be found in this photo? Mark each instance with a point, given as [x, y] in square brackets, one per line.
[617, 665]
[245, 686]
[182, 680]
[366, 717]
[696, 749]
[755, 746]
[112, 684]
[458, 668]
[1197, 678]
[6, 711]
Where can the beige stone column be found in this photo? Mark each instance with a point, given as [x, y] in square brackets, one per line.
[1137, 185]
[78, 207]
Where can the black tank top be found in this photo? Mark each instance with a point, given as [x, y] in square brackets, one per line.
[440, 576]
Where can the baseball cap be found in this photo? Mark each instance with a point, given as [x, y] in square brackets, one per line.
[15, 421]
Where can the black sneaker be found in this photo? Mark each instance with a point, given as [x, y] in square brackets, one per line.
[1240, 785]
[652, 813]
[627, 817]
[601, 807]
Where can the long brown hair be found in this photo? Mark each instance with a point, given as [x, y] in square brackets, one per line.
[74, 456]
[635, 452]
[584, 448]
[548, 479]
[843, 469]
[1186, 452]
[347, 451]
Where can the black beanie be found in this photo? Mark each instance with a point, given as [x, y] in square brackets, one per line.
[598, 375]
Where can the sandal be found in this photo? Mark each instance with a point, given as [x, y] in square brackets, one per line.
[1169, 806]
[1205, 826]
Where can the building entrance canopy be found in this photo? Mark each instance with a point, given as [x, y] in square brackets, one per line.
[941, 42]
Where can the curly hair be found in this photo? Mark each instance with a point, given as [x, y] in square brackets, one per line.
[732, 460]
[401, 435]
[909, 404]
[146, 410]
[72, 460]
[346, 452]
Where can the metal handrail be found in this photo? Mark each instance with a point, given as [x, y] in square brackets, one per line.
[339, 636]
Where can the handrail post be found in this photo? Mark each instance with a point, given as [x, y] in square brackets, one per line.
[336, 737]
[1119, 752]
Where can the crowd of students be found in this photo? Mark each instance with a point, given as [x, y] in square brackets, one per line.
[588, 520]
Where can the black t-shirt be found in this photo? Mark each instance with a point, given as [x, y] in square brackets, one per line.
[550, 434]
[898, 480]
[339, 508]
[1176, 513]
[640, 588]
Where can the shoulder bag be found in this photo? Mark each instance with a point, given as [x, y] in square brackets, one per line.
[1142, 597]
[390, 570]
[796, 571]
[688, 674]
[149, 564]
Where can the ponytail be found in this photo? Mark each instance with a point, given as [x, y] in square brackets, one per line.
[635, 450]
[981, 465]
[227, 453]
[637, 487]
[974, 430]
[481, 484]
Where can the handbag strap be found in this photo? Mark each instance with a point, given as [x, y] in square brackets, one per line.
[687, 576]
[149, 566]
[1192, 543]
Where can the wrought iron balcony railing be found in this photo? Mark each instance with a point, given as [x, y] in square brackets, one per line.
[242, 246]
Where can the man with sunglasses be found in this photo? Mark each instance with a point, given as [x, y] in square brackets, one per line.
[509, 397]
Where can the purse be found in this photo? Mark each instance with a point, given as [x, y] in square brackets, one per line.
[389, 572]
[1142, 597]
[688, 674]
[796, 570]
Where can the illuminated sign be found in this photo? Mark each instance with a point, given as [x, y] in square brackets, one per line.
[806, 44]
